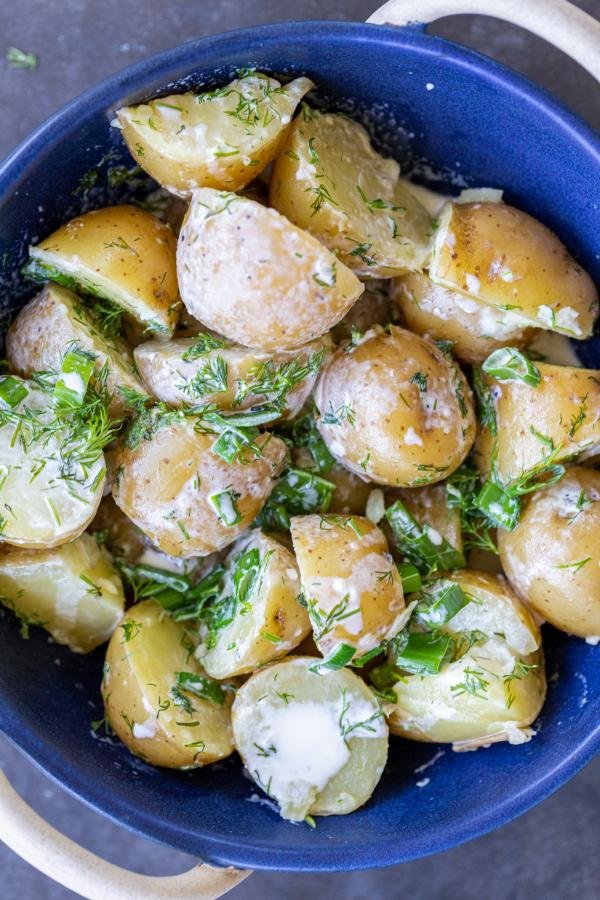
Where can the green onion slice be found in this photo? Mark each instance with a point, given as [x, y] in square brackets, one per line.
[339, 658]
[71, 384]
[411, 578]
[509, 364]
[439, 603]
[12, 391]
[200, 686]
[422, 545]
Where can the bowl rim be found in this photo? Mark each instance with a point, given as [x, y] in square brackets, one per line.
[241, 852]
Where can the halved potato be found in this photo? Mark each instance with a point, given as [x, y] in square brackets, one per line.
[152, 709]
[248, 273]
[121, 253]
[507, 259]
[474, 328]
[266, 621]
[316, 743]
[73, 591]
[429, 507]
[56, 320]
[329, 180]
[220, 139]
[51, 477]
[350, 584]
[186, 498]
[209, 369]
[394, 409]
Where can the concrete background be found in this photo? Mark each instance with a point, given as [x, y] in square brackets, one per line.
[552, 851]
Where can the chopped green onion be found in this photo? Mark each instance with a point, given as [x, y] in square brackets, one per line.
[440, 602]
[422, 545]
[199, 595]
[422, 654]
[224, 504]
[207, 688]
[71, 384]
[411, 578]
[340, 657]
[297, 492]
[501, 508]
[383, 678]
[360, 661]
[509, 364]
[12, 391]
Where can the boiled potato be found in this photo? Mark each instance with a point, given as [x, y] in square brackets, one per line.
[495, 687]
[507, 259]
[538, 426]
[474, 328]
[55, 320]
[552, 558]
[316, 743]
[329, 180]
[550, 347]
[219, 139]
[185, 498]
[267, 621]
[73, 591]
[121, 253]
[208, 369]
[430, 200]
[429, 507]
[249, 274]
[373, 307]
[351, 492]
[150, 706]
[395, 410]
[51, 476]
[349, 581]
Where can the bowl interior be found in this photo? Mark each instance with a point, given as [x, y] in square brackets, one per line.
[478, 125]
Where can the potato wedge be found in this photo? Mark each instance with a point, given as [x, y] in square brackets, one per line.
[185, 498]
[317, 744]
[394, 409]
[507, 259]
[166, 719]
[73, 591]
[55, 320]
[121, 253]
[219, 139]
[350, 584]
[249, 274]
[329, 180]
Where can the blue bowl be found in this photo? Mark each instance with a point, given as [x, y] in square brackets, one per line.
[479, 125]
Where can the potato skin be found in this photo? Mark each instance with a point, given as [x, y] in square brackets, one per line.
[142, 660]
[164, 482]
[474, 328]
[377, 420]
[249, 274]
[122, 253]
[189, 140]
[74, 591]
[506, 258]
[559, 528]
[41, 334]
[373, 307]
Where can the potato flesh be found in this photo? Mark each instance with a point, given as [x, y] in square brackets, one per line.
[552, 557]
[474, 328]
[220, 139]
[249, 274]
[142, 662]
[381, 424]
[314, 768]
[164, 485]
[349, 581]
[73, 591]
[124, 254]
[329, 180]
[52, 322]
[506, 258]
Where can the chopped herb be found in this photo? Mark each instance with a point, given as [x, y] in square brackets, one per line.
[509, 364]
[201, 686]
[422, 545]
[19, 59]
[474, 683]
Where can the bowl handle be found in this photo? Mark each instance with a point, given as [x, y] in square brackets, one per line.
[66, 862]
[570, 29]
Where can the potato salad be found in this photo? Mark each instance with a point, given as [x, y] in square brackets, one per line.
[300, 453]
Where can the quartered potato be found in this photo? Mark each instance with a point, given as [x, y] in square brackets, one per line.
[188, 500]
[54, 321]
[316, 743]
[552, 558]
[219, 139]
[329, 180]
[349, 581]
[394, 409]
[73, 591]
[503, 257]
[373, 307]
[494, 688]
[264, 620]
[121, 253]
[429, 507]
[474, 328]
[209, 369]
[537, 427]
[248, 273]
[158, 700]
[51, 475]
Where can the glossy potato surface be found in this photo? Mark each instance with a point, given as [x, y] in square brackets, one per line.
[248, 273]
[373, 307]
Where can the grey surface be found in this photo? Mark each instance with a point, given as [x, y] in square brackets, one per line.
[551, 852]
